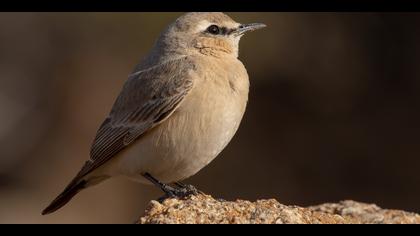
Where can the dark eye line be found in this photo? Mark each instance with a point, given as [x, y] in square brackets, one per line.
[225, 31]
[228, 31]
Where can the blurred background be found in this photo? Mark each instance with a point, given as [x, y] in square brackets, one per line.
[333, 111]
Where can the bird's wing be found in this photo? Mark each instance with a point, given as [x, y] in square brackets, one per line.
[148, 98]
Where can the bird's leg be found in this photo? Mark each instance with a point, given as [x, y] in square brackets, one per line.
[171, 192]
[188, 188]
[167, 189]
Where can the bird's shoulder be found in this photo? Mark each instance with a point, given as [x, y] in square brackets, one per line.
[153, 84]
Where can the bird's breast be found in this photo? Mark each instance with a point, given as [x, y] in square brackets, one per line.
[197, 131]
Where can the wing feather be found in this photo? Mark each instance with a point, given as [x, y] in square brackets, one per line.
[147, 99]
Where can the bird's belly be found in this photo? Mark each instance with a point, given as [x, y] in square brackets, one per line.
[186, 142]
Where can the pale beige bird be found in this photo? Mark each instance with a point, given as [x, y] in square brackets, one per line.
[176, 112]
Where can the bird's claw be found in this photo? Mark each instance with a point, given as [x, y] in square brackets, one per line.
[183, 191]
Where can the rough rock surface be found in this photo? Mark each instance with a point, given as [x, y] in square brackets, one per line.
[203, 209]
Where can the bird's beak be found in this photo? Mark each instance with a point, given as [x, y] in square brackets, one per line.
[248, 27]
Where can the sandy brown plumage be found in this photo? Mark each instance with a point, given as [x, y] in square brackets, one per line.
[191, 72]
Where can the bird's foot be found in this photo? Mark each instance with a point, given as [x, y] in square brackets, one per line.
[182, 191]
[188, 189]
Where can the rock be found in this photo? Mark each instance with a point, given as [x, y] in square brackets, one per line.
[203, 209]
[363, 213]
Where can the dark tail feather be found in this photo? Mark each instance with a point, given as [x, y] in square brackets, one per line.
[64, 197]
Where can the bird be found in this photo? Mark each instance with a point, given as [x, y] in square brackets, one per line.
[176, 112]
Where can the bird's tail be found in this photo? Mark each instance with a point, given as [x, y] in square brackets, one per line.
[72, 189]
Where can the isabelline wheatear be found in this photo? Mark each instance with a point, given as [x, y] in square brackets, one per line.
[176, 112]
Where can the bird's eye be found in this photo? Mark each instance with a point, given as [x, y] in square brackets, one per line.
[213, 29]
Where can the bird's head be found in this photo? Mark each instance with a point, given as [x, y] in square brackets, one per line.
[213, 34]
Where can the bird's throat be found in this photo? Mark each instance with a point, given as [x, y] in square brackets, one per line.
[215, 47]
